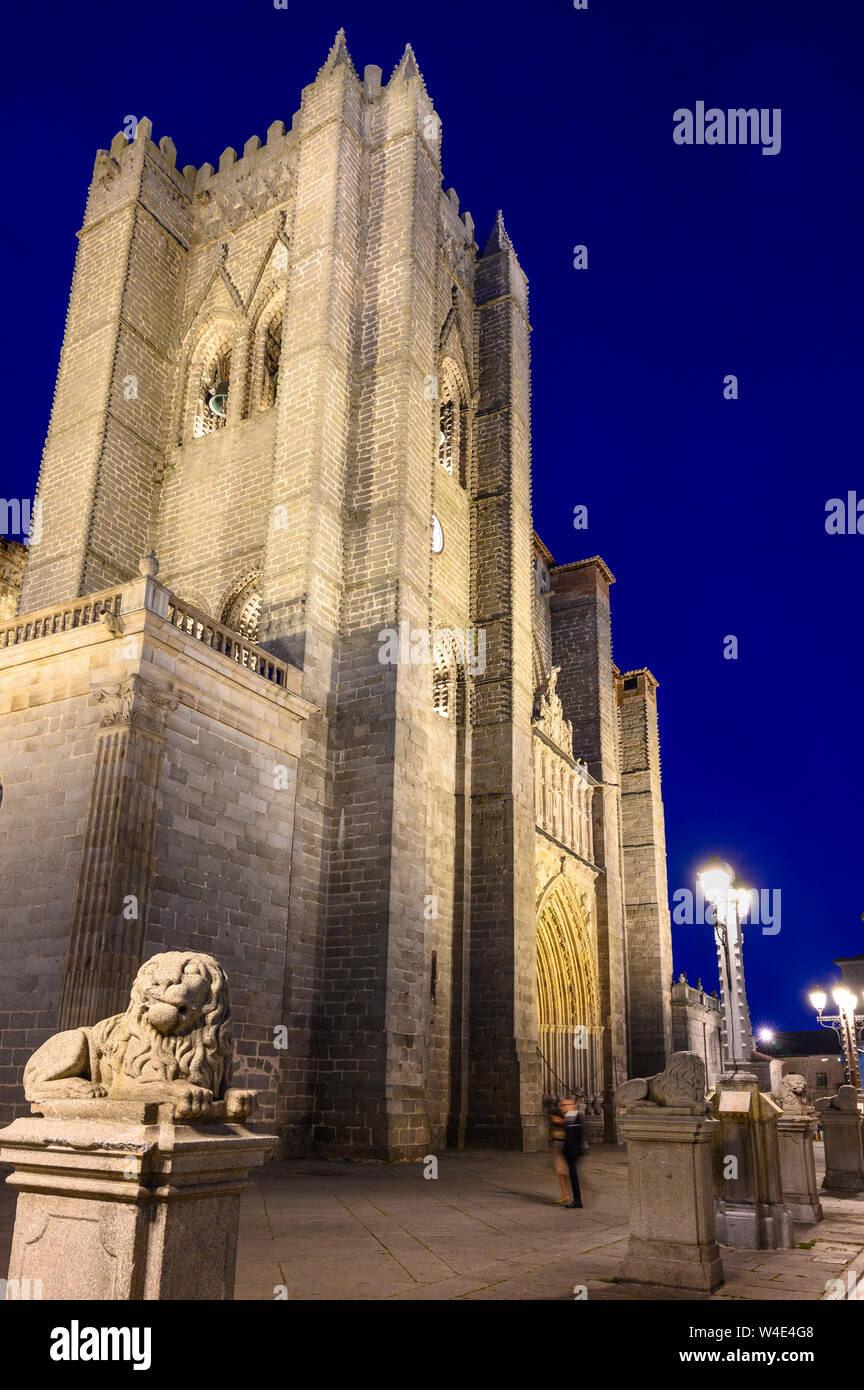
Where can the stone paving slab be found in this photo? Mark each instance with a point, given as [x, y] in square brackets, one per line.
[488, 1228]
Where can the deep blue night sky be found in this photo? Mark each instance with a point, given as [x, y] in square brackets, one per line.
[703, 261]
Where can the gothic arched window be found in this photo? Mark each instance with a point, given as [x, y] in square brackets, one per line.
[447, 434]
[452, 424]
[242, 612]
[271, 352]
[443, 677]
[212, 408]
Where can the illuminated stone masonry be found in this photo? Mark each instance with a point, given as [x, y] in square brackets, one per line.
[301, 381]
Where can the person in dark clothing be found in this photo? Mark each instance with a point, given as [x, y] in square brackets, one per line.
[574, 1145]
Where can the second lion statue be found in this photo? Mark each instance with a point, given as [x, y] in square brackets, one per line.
[173, 1044]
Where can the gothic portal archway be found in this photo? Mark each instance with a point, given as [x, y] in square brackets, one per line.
[569, 1029]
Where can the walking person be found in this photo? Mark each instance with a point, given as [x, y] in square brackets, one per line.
[575, 1145]
[556, 1144]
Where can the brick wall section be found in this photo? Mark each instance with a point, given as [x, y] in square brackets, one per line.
[104, 443]
[696, 1027]
[45, 747]
[223, 834]
[372, 1073]
[13, 558]
[503, 1108]
[643, 837]
[445, 1019]
[582, 647]
[212, 875]
[303, 561]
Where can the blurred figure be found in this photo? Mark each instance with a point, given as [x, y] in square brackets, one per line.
[575, 1144]
[556, 1143]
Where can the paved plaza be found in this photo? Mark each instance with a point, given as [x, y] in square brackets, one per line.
[487, 1228]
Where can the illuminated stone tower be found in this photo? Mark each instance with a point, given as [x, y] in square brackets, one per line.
[301, 383]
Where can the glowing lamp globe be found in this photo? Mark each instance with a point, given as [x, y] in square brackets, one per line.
[741, 898]
[716, 879]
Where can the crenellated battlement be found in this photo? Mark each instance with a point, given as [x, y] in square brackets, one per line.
[242, 186]
[219, 199]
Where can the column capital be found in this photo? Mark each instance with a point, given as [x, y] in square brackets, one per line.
[135, 703]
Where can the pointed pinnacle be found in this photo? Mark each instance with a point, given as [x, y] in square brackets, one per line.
[408, 67]
[498, 238]
[339, 54]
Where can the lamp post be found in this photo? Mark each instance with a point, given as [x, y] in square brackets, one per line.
[750, 1209]
[730, 904]
[847, 1024]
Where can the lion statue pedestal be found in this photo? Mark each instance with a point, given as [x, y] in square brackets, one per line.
[751, 1210]
[796, 1127]
[842, 1126]
[669, 1138]
[131, 1167]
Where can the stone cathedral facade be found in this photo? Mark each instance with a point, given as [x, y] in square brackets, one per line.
[288, 676]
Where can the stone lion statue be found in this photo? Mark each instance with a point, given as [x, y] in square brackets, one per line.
[793, 1092]
[846, 1099]
[173, 1044]
[681, 1084]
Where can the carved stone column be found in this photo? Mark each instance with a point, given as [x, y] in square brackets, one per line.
[114, 879]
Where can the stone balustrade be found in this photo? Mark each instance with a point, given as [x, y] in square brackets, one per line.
[63, 617]
[112, 603]
[225, 641]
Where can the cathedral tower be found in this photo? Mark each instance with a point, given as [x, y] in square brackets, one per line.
[282, 680]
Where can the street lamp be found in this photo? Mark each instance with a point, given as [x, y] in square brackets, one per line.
[750, 1209]
[847, 1024]
[731, 904]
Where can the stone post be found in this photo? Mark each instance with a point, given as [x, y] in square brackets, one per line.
[669, 1140]
[118, 1202]
[841, 1129]
[798, 1167]
[751, 1211]
[795, 1130]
